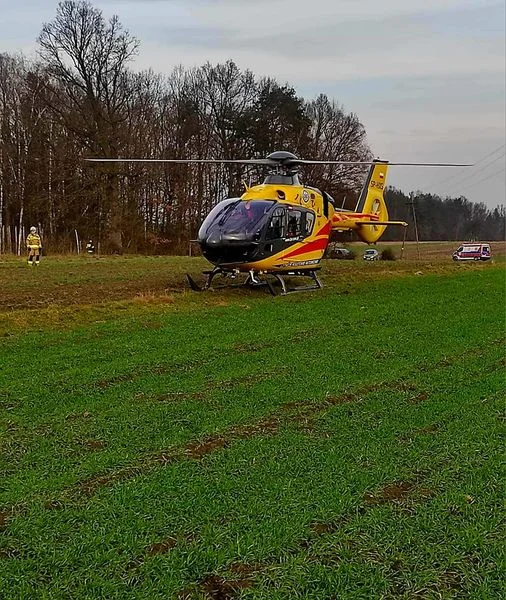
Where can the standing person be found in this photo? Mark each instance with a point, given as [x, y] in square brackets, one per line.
[33, 244]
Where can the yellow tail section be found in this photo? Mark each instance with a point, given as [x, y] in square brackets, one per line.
[371, 203]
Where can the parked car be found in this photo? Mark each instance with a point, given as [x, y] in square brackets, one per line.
[476, 251]
[371, 254]
[341, 253]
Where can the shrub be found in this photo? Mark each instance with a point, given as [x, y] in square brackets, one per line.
[387, 254]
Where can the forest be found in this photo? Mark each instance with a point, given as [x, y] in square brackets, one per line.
[80, 99]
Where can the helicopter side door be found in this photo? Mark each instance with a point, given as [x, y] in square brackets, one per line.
[287, 226]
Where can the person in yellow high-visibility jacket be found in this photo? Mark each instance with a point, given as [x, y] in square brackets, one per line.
[34, 245]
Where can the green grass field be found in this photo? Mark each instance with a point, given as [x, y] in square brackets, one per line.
[157, 443]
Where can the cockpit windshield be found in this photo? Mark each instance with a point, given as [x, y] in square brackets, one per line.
[236, 216]
[245, 215]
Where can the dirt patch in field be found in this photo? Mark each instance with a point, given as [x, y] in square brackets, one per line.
[194, 450]
[215, 587]
[398, 492]
[161, 547]
[405, 386]
[246, 569]
[305, 423]
[430, 429]
[392, 492]
[320, 528]
[418, 398]
[446, 361]
[218, 587]
[94, 445]
[88, 487]
[269, 425]
[155, 549]
[342, 399]
[355, 396]
[208, 445]
[266, 426]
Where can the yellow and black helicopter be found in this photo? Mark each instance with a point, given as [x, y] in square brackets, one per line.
[281, 228]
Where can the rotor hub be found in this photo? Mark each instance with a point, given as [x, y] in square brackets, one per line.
[281, 156]
[283, 168]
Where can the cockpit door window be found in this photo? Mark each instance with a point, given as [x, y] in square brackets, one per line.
[294, 224]
[309, 223]
[277, 224]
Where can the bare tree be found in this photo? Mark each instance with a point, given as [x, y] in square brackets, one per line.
[336, 135]
[89, 88]
[22, 129]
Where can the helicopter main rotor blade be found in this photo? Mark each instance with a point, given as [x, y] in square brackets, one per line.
[271, 162]
[396, 164]
[251, 161]
[378, 162]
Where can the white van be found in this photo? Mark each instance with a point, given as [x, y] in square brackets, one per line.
[475, 251]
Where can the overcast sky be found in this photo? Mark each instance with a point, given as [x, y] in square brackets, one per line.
[426, 78]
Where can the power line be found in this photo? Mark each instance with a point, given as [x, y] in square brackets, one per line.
[453, 176]
[489, 154]
[472, 175]
[485, 178]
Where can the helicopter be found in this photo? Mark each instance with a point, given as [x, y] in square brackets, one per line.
[281, 228]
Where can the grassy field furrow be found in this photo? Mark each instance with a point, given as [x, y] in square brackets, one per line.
[332, 478]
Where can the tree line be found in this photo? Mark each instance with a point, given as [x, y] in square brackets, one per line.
[80, 99]
[441, 219]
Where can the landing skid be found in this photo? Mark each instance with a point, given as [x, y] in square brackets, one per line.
[256, 280]
[315, 285]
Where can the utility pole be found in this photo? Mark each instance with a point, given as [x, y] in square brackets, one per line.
[412, 203]
[403, 241]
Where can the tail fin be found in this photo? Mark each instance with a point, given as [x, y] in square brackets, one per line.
[371, 202]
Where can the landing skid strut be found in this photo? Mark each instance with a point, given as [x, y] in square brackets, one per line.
[256, 280]
[210, 275]
[315, 285]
